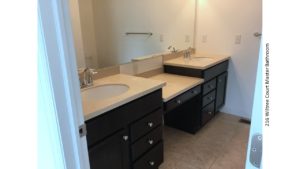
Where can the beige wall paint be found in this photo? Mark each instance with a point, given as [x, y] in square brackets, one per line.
[173, 19]
[74, 12]
[221, 21]
[88, 33]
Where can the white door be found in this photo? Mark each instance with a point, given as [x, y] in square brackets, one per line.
[58, 62]
[253, 159]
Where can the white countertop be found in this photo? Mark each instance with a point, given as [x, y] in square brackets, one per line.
[176, 84]
[211, 60]
[138, 87]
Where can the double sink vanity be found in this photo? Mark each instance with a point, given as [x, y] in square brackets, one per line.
[125, 114]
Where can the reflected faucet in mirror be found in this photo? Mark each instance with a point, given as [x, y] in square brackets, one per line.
[172, 49]
[187, 53]
[86, 77]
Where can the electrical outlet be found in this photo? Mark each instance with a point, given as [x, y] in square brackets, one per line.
[161, 37]
[187, 38]
[204, 38]
[238, 39]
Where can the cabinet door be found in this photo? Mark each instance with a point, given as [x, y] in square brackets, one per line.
[221, 90]
[111, 153]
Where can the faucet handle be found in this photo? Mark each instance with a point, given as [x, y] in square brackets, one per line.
[93, 71]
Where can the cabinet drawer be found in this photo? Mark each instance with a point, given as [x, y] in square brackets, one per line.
[152, 159]
[215, 70]
[146, 142]
[170, 105]
[208, 98]
[106, 124]
[209, 86]
[207, 113]
[141, 127]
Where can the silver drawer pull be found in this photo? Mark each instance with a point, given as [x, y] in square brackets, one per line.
[125, 138]
[210, 113]
[150, 141]
[210, 98]
[194, 92]
[210, 86]
[150, 124]
[178, 101]
[151, 163]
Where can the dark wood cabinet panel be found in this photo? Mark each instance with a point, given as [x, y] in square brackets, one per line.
[206, 74]
[145, 143]
[207, 113]
[179, 100]
[111, 153]
[208, 98]
[152, 159]
[104, 125]
[146, 124]
[221, 90]
[183, 71]
[186, 117]
[111, 136]
[209, 86]
[215, 70]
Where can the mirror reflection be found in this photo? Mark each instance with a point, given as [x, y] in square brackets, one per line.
[112, 32]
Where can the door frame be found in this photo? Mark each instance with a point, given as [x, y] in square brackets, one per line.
[60, 63]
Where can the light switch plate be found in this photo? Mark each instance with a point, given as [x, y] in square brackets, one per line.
[238, 39]
[204, 38]
[187, 38]
[161, 37]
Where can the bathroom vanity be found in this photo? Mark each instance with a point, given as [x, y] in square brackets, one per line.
[129, 135]
[124, 129]
[210, 97]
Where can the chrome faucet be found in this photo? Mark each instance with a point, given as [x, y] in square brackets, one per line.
[187, 53]
[172, 49]
[87, 77]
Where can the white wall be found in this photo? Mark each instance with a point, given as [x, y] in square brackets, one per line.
[220, 21]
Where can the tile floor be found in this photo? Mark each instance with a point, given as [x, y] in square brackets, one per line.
[220, 144]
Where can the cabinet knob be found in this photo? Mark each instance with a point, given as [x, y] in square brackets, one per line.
[150, 124]
[125, 138]
[150, 141]
[194, 92]
[210, 113]
[210, 98]
[210, 86]
[151, 163]
[220, 80]
[178, 101]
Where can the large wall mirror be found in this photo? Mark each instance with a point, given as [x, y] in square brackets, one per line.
[111, 32]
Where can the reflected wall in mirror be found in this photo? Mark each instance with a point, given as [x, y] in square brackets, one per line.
[101, 30]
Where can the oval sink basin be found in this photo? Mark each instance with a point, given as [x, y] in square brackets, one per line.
[104, 91]
[202, 59]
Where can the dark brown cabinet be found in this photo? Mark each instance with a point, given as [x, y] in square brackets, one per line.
[128, 136]
[111, 153]
[211, 99]
[221, 90]
[185, 115]
[207, 113]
